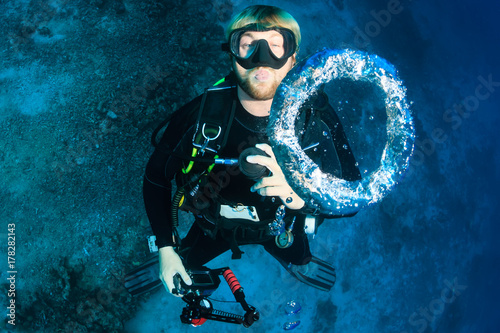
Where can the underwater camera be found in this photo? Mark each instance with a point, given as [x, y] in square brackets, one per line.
[199, 309]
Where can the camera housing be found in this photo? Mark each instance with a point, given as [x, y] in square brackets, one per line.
[205, 282]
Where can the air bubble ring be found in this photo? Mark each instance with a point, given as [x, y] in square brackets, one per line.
[322, 191]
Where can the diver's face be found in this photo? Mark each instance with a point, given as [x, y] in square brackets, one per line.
[260, 83]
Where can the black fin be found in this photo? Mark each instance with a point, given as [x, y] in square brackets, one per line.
[317, 273]
[144, 278]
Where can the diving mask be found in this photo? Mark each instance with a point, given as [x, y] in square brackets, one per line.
[251, 52]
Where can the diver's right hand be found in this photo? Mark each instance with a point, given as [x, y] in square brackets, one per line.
[170, 265]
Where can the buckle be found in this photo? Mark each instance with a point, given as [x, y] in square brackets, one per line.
[152, 244]
[310, 225]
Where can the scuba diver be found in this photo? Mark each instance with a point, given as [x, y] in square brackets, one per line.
[217, 151]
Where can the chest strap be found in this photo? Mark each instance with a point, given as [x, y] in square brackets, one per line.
[215, 118]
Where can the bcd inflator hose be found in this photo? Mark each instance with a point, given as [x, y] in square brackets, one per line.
[252, 170]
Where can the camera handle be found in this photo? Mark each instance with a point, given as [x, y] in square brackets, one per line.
[199, 308]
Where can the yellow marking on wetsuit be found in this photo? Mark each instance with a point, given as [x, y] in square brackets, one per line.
[220, 81]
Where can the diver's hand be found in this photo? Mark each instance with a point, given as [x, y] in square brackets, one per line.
[170, 265]
[276, 184]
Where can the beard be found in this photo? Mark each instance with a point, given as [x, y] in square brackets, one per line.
[261, 91]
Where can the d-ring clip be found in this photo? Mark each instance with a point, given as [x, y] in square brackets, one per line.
[207, 137]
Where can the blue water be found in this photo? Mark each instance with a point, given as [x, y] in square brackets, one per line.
[424, 259]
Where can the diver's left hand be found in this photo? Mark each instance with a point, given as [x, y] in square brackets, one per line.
[276, 184]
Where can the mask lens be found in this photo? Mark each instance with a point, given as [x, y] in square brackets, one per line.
[277, 45]
[245, 45]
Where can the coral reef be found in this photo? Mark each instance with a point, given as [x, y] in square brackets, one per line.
[83, 84]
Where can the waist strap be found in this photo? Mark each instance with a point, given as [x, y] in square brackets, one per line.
[238, 231]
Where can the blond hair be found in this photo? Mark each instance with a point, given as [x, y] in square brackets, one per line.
[266, 16]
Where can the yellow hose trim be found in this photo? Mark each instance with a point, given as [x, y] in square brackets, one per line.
[212, 166]
[191, 163]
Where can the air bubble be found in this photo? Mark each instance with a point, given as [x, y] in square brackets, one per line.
[400, 130]
[292, 308]
[291, 325]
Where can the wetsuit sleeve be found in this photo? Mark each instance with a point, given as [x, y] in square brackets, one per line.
[336, 155]
[350, 171]
[160, 171]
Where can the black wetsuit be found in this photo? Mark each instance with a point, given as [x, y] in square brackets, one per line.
[232, 187]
